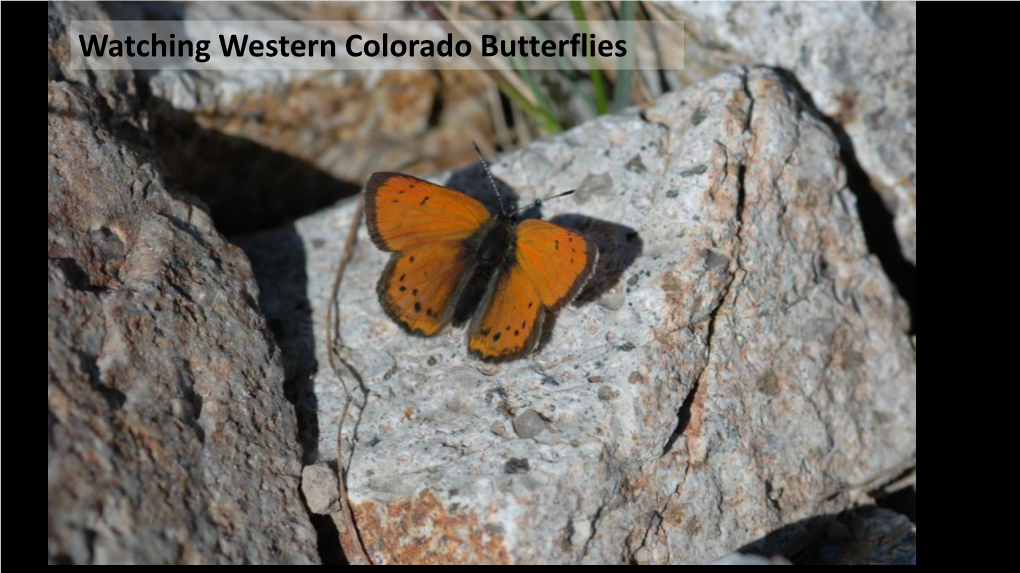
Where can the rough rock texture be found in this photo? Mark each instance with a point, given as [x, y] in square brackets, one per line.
[738, 559]
[738, 364]
[857, 59]
[170, 440]
[265, 147]
[319, 484]
[868, 536]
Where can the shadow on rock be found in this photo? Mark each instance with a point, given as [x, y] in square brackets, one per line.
[474, 182]
[865, 536]
[247, 186]
[619, 246]
[280, 270]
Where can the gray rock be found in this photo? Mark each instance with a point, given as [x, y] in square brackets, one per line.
[319, 484]
[739, 559]
[868, 536]
[170, 440]
[529, 424]
[758, 364]
[858, 60]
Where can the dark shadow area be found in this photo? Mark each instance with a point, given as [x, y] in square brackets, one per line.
[548, 327]
[876, 219]
[619, 246]
[473, 182]
[330, 550]
[278, 259]
[849, 538]
[903, 501]
[247, 186]
[683, 418]
[793, 541]
[52, 426]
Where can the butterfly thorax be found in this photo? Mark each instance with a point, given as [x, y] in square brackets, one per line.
[489, 251]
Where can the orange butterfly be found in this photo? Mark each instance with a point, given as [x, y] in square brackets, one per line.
[452, 258]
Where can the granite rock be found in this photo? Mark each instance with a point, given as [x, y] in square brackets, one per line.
[867, 536]
[170, 440]
[740, 559]
[738, 364]
[858, 60]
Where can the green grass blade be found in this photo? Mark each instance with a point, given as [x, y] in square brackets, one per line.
[624, 74]
[593, 67]
[564, 66]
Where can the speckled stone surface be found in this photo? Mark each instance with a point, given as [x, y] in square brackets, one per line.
[170, 439]
[858, 60]
[737, 365]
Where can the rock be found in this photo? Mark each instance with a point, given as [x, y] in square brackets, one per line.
[858, 60]
[319, 484]
[739, 559]
[170, 440]
[529, 425]
[871, 536]
[759, 365]
[265, 147]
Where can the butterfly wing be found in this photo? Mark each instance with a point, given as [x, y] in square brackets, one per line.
[552, 265]
[425, 225]
[416, 289]
[404, 212]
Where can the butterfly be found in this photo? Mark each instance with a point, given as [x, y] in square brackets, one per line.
[454, 262]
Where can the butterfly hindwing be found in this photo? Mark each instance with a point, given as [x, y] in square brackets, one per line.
[417, 288]
[404, 212]
[510, 325]
[551, 266]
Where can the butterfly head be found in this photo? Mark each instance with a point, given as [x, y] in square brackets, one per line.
[537, 203]
[511, 215]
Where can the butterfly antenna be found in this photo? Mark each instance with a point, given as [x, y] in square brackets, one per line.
[502, 209]
[538, 202]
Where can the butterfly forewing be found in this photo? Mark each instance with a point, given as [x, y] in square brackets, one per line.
[558, 260]
[405, 212]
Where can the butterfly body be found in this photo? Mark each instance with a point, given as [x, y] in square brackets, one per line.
[489, 251]
[454, 262]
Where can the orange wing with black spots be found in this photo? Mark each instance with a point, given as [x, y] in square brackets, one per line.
[426, 226]
[511, 325]
[552, 265]
[405, 212]
[416, 289]
[559, 261]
